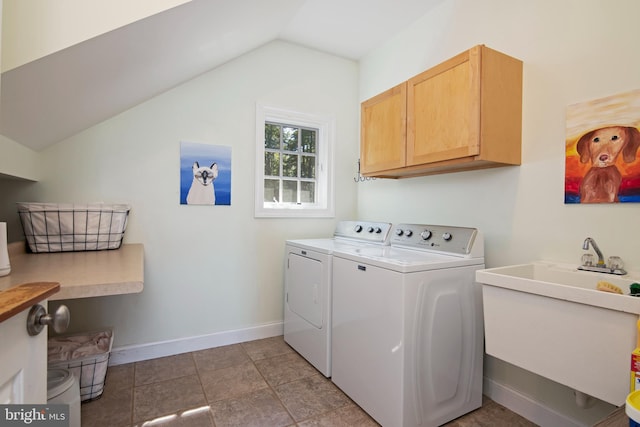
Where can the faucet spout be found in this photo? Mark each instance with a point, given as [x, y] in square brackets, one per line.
[595, 247]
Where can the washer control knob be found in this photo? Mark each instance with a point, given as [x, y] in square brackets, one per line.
[426, 235]
[370, 229]
[378, 230]
[447, 236]
[357, 228]
[408, 233]
[399, 232]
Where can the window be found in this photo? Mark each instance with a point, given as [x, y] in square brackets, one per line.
[293, 164]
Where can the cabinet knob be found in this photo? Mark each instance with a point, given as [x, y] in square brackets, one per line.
[38, 318]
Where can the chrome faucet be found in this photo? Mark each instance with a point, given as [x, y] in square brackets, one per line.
[615, 264]
[595, 247]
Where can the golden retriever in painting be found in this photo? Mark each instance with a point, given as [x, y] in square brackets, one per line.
[601, 147]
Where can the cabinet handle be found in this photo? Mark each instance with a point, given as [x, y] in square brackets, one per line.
[38, 318]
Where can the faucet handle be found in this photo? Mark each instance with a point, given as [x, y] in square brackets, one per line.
[587, 259]
[615, 263]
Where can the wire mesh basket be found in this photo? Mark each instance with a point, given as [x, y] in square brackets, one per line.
[53, 227]
[86, 355]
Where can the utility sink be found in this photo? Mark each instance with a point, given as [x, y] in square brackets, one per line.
[565, 282]
[550, 319]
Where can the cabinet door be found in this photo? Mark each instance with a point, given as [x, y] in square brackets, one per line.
[443, 114]
[23, 362]
[383, 130]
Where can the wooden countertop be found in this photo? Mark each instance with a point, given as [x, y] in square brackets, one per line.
[21, 297]
[80, 274]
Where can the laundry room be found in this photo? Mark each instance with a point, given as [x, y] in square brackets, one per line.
[214, 273]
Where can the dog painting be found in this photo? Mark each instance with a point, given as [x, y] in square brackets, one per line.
[602, 158]
[205, 174]
[600, 148]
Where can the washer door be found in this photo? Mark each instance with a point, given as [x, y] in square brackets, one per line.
[305, 293]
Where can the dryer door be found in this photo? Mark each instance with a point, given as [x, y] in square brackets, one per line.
[305, 293]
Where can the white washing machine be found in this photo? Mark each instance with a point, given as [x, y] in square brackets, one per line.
[407, 333]
[308, 267]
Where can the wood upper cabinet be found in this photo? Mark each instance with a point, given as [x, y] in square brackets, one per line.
[465, 113]
[383, 130]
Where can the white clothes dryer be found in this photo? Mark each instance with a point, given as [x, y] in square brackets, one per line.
[308, 290]
[407, 332]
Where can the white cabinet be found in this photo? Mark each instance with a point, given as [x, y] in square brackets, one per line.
[23, 357]
[23, 362]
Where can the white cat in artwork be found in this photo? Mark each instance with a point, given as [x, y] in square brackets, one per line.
[202, 191]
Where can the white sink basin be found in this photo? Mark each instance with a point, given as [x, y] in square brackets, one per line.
[550, 319]
[565, 282]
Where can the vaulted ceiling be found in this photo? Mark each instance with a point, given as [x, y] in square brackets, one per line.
[54, 97]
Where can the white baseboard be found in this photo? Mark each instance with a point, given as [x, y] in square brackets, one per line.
[136, 353]
[528, 408]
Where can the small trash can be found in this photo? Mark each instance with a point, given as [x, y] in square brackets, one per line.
[632, 408]
[63, 387]
[85, 355]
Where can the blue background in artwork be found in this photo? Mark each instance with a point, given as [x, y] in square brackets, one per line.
[205, 155]
[626, 196]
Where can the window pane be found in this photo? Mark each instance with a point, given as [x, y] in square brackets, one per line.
[271, 136]
[308, 167]
[290, 191]
[290, 165]
[296, 149]
[308, 141]
[307, 192]
[271, 190]
[289, 138]
[272, 164]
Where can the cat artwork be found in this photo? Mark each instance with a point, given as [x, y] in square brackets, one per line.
[202, 191]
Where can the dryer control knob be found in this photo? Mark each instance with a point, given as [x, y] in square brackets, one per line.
[357, 228]
[370, 229]
[378, 230]
[408, 233]
[426, 235]
[447, 236]
[399, 232]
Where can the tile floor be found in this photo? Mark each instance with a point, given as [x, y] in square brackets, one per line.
[262, 383]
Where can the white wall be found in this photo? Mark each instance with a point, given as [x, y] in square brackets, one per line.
[207, 269]
[573, 51]
[17, 160]
[37, 28]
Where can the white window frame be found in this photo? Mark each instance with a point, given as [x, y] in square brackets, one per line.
[324, 206]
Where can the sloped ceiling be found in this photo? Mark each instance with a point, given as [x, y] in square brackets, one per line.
[52, 98]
